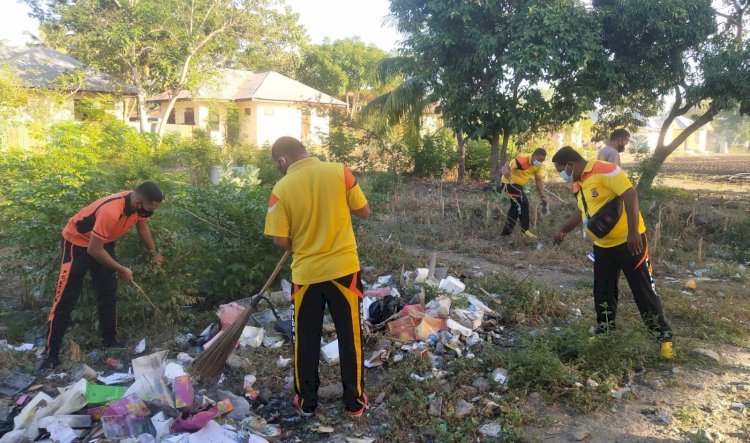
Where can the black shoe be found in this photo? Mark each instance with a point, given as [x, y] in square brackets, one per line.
[604, 329]
[48, 362]
[113, 343]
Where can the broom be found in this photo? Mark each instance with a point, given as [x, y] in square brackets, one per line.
[209, 363]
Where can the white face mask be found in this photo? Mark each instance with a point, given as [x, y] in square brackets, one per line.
[567, 178]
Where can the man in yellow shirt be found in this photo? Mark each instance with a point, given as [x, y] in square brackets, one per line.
[309, 213]
[620, 243]
[514, 179]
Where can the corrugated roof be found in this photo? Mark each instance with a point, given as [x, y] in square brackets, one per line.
[42, 67]
[232, 84]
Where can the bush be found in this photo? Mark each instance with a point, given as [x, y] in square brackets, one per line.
[435, 153]
[477, 160]
[212, 236]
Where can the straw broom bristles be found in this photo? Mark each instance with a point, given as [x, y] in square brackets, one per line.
[209, 363]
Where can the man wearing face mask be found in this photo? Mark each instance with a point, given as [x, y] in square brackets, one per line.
[309, 213]
[602, 191]
[515, 177]
[88, 245]
[614, 146]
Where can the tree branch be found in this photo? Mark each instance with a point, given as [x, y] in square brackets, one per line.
[697, 124]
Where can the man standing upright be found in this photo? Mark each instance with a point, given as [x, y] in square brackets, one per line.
[514, 179]
[612, 148]
[309, 213]
[88, 245]
[608, 207]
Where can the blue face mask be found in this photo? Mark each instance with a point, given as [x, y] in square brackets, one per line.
[537, 163]
[565, 176]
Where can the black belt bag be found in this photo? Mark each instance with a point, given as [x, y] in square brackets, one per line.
[605, 219]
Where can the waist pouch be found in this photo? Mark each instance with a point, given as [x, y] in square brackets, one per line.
[605, 219]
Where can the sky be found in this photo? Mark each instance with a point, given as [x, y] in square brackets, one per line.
[335, 19]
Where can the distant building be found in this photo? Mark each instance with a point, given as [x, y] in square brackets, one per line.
[701, 141]
[251, 107]
[59, 83]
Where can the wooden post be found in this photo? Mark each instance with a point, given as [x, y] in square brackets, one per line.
[458, 206]
[536, 215]
[433, 263]
[700, 251]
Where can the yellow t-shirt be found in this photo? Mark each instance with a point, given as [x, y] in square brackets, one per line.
[601, 182]
[311, 205]
[521, 170]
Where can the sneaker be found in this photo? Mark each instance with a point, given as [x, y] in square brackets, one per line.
[48, 362]
[301, 411]
[365, 405]
[529, 234]
[667, 353]
[591, 257]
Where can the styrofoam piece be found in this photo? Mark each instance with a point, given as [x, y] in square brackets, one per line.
[455, 326]
[452, 285]
[27, 414]
[331, 351]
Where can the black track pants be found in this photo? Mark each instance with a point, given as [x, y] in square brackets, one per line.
[74, 264]
[519, 208]
[607, 266]
[343, 297]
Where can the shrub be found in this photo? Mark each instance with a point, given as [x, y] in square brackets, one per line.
[434, 154]
[212, 236]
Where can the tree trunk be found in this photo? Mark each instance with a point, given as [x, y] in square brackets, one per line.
[494, 166]
[165, 116]
[651, 166]
[461, 157]
[504, 152]
[141, 100]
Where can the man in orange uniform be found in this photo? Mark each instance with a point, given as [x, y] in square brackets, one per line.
[515, 177]
[88, 245]
[608, 207]
[309, 213]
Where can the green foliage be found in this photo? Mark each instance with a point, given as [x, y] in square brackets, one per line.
[434, 154]
[737, 240]
[484, 62]
[341, 66]
[211, 235]
[477, 159]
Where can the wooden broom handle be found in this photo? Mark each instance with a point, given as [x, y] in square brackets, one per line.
[270, 280]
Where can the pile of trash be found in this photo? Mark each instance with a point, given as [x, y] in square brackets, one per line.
[160, 404]
[453, 323]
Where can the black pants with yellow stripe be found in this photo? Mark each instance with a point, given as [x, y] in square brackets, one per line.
[519, 208]
[74, 264]
[637, 269]
[343, 298]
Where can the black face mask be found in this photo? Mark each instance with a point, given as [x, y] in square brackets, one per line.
[143, 212]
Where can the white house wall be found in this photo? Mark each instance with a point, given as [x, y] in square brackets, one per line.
[277, 120]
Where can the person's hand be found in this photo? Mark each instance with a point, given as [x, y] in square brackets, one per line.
[559, 237]
[157, 258]
[545, 207]
[635, 243]
[126, 274]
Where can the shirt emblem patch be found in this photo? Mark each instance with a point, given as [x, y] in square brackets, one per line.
[594, 193]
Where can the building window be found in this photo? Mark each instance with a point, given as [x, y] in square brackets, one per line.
[214, 121]
[171, 118]
[189, 116]
[248, 111]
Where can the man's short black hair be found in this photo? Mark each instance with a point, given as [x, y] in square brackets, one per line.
[619, 133]
[150, 192]
[565, 155]
[540, 151]
[284, 146]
